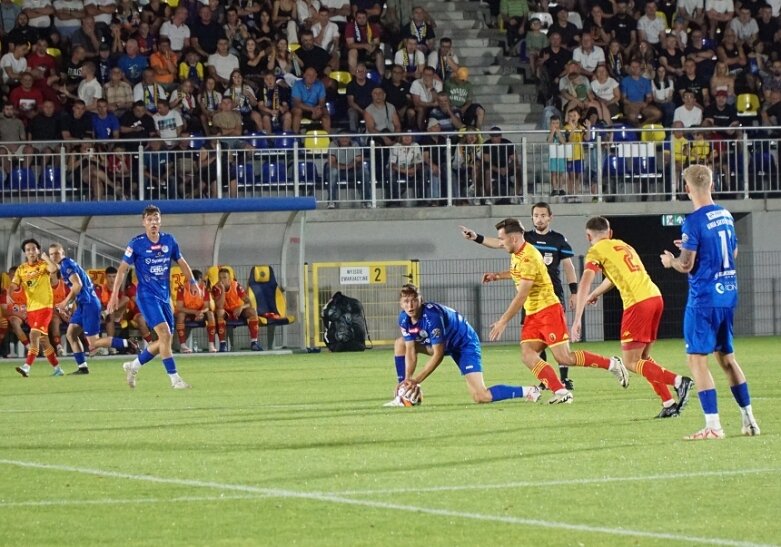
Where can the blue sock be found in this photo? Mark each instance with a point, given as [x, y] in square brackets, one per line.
[502, 392]
[117, 343]
[170, 366]
[79, 357]
[401, 367]
[740, 392]
[708, 401]
[145, 357]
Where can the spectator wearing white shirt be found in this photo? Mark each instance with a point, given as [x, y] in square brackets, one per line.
[325, 31]
[307, 11]
[222, 63]
[68, 15]
[607, 94]
[718, 12]
[411, 59]
[444, 60]
[177, 30]
[38, 13]
[650, 27]
[689, 114]
[588, 55]
[424, 95]
[13, 63]
[148, 91]
[338, 9]
[102, 11]
[169, 123]
[90, 89]
[745, 27]
[692, 11]
[405, 163]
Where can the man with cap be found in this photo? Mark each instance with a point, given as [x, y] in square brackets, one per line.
[459, 90]
[501, 166]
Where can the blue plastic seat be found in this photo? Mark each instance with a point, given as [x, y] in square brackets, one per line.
[21, 178]
[244, 174]
[257, 140]
[197, 140]
[50, 178]
[273, 172]
[307, 173]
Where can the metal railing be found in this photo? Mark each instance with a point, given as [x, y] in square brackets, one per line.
[458, 169]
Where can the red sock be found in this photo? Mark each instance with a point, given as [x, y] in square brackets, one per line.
[545, 374]
[180, 332]
[662, 391]
[253, 329]
[210, 331]
[655, 373]
[221, 325]
[24, 340]
[148, 338]
[588, 359]
[51, 355]
[32, 353]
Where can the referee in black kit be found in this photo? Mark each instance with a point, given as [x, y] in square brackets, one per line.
[556, 253]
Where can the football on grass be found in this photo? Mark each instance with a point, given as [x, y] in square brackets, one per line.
[409, 396]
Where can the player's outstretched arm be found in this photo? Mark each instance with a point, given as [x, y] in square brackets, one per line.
[50, 265]
[431, 365]
[471, 235]
[497, 328]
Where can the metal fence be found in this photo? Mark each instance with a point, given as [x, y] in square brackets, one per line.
[455, 169]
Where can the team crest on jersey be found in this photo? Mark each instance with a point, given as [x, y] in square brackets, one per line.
[436, 333]
[129, 252]
[552, 337]
[422, 334]
[165, 248]
[547, 258]
[684, 238]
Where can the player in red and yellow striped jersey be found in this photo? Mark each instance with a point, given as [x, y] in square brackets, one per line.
[14, 304]
[194, 308]
[545, 325]
[643, 306]
[61, 314]
[33, 277]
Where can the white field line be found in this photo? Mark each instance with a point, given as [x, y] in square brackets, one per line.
[559, 482]
[115, 501]
[329, 498]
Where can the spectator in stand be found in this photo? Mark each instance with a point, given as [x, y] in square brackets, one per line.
[447, 115]
[664, 94]
[177, 31]
[22, 33]
[637, 94]
[132, 62]
[701, 53]
[405, 163]
[164, 64]
[209, 102]
[536, 41]
[396, 90]
[363, 42]
[381, 117]
[205, 35]
[147, 42]
[651, 27]
[12, 137]
[168, 123]
[646, 54]
[607, 94]
[281, 62]
[424, 95]
[326, 33]
[722, 80]
[283, 17]
[771, 81]
[691, 81]
[421, 28]
[72, 76]
[308, 97]
[307, 12]
[575, 89]
[745, 28]
[771, 111]
[222, 63]
[39, 14]
[252, 62]
[103, 12]
[768, 27]
[235, 31]
[672, 58]
[587, 55]
[721, 114]
[264, 32]
[84, 168]
[148, 91]
[274, 105]
[622, 26]
[359, 96]
[692, 12]
[567, 31]
[68, 16]
[345, 163]
[680, 31]
[192, 69]
[184, 100]
[26, 98]
[444, 60]
[42, 65]
[118, 93]
[44, 130]
[731, 53]
[9, 11]
[554, 60]
[373, 8]
[501, 167]
[411, 59]
[719, 13]
[244, 101]
[90, 89]
[596, 24]
[689, 113]
[310, 54]
[616, 61]
[105, 125]
[459, 90]
[13, 65]
[513, 14]
[137, 126]
[103, 64]
[435, 160]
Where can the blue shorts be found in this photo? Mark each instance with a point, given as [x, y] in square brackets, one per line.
[469, 358]
[706, 330]
[155, 312]
[575, 166]
[87, 316]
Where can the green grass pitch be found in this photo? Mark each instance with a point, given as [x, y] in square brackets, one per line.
[298, 450]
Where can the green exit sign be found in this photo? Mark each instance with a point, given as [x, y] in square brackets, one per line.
[672, 220]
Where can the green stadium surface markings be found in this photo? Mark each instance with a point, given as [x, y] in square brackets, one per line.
[329, 498]
[559, 482]
[115, 501]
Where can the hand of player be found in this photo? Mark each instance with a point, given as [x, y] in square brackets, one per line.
[111, 307]
[591, 300]
[678, 243]
[573, 301]
[574, 332]
[496, 330]
[468, 233]
[489, 277]
[667, 259]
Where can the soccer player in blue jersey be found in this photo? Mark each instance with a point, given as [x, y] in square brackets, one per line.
[708, 250]
[86, 316]
[436, 330]
[151, 254]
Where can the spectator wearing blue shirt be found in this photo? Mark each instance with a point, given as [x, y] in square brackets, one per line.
[132, 63]
[309, 101]
[637, 94]
[105, 124]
